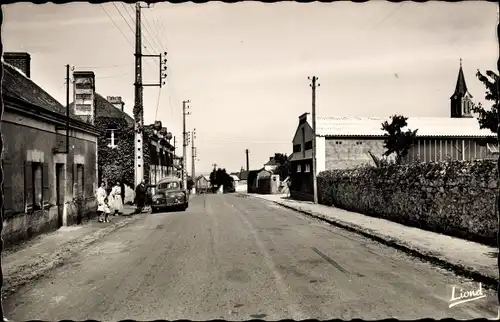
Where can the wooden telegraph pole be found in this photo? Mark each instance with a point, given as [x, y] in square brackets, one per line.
[315, 183]
[139, 89]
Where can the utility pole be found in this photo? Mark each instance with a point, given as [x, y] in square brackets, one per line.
[248, 163]
[185, 112]
[498, 166]
[193, 157]
[67, 108]
[139, 88]
[315, 183]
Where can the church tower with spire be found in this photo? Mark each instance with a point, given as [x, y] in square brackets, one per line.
[461, 100]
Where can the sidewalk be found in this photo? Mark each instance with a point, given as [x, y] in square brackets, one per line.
[464, 257]
[34, 258]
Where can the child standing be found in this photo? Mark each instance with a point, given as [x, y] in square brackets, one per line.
[105, 211]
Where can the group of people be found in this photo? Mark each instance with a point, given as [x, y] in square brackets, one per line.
[109, 204]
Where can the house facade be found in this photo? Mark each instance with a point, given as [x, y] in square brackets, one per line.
[202, 184]
[347, 142]
[50, 168]
[117, 139]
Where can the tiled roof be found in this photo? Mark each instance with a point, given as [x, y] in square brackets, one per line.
[427, 126]
[244, 175]
[104, 108]
[16, 85]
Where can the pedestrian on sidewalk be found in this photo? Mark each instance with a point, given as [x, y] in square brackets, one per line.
[140, 196]
[106, 211]
[116, 202]
[101, 196]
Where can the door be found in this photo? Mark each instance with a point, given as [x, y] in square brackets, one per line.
[60, 178]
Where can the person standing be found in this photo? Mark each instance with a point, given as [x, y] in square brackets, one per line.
[116, 201]
[140, 196]
[101, 201]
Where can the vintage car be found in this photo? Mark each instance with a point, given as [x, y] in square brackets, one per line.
[169, 193]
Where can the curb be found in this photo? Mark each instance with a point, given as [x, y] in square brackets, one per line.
[468, 272]
[23, 274]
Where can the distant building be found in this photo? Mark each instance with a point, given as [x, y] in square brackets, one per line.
[345, 142]
[45, 185]
[202, 184]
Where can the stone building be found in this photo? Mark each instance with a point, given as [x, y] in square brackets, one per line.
[116, 140]
[346, 142]
[47, 183]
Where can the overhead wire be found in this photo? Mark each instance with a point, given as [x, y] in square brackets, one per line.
[109, 16]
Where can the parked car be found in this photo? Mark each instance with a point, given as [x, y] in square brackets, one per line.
[170, 193]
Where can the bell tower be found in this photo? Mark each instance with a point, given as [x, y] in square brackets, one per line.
[461, 100]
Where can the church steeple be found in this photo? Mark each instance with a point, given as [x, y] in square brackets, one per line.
[461, 104]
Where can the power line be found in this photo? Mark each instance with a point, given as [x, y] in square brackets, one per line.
[113, 76]
[146, 38]
[158, 103]
[116, 25]
[126, 21]
[103, 66]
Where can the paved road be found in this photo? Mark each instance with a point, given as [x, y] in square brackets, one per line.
[239, 258]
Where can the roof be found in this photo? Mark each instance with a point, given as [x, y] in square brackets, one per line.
[16, 85]
[104, 108]
[235, 178]
[461, 87]
[244, 175]
[169, 179]
[427, 127]
[271, 161]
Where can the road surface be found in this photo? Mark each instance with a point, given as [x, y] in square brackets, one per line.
[238, 258]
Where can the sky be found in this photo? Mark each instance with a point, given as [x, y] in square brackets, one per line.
[244, 66]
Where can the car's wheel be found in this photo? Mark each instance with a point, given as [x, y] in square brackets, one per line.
[185, 207]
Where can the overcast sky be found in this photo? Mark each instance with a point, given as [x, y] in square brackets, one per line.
[244, 66]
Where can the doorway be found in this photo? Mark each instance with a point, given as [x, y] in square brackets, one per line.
[60, 180]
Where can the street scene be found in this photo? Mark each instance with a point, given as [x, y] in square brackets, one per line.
[250, 161]
[237, 258]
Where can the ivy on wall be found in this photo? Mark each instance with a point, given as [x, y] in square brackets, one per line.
[147, 133]
[116, 164]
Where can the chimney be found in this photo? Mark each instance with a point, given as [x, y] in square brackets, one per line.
[116, 101]
[21, 61]
[84, 94]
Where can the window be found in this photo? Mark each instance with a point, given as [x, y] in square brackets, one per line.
[303, 141]
[169, 185]
[78, 181]
[308, 145]
[36, 186]
[307, 168]
[298, 168]
[296, 148]
[83, 97]
[338, 142]
[359, 143]
[8, 204]
[112, 137]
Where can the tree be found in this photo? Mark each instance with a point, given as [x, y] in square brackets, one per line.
[284, 167]
[488, 118]
[398, 141]
[219, 178]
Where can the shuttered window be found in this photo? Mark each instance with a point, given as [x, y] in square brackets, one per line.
[79, 180]
[46, 187]
[28, 186]
[8, 203]
[36, 187]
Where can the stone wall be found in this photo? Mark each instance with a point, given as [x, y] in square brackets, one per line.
[456, 198]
